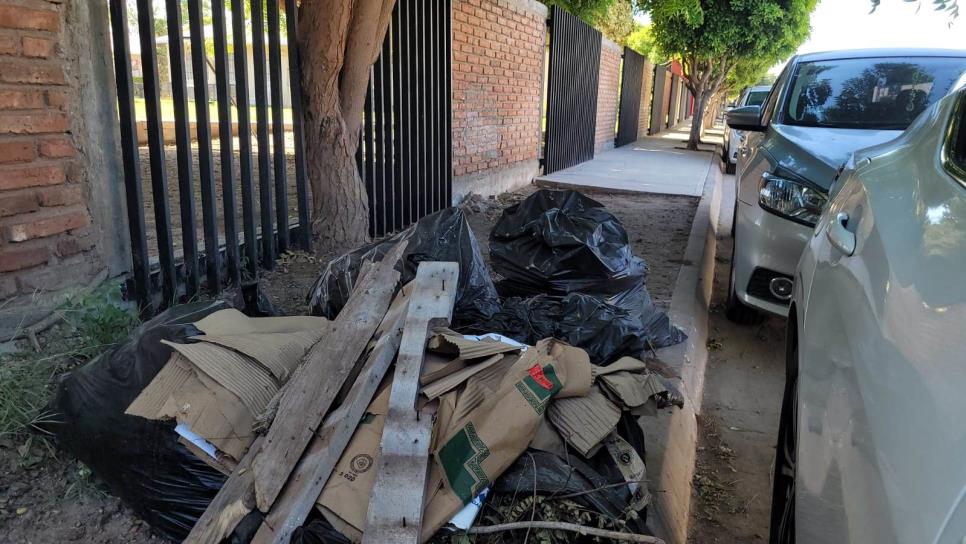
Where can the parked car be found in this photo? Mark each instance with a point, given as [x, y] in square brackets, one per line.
[752, 96]
[824, 106]
[870, 441]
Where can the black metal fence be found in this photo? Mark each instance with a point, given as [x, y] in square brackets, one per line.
[571, 91]
[406, 153]
[224, 258]
[630, 100]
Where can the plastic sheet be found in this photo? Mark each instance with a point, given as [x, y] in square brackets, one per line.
[604, 331]
[590, 484]
[139, 459]
[442, 236]
[565, 245]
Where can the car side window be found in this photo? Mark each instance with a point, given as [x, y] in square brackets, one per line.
[956, 142]
[768, 110]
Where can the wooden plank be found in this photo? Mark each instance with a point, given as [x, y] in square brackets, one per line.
[396, 504]
[312, 472]
[305, 401]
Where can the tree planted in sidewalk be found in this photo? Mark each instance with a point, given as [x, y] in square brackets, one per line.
[712, 38]
[339, 40]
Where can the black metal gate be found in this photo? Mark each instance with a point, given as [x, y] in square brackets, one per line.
[171, 264]
[630, 103]
[571, 91]
[405, 157]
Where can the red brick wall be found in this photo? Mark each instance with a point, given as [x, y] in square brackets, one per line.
[647, 85]
[498, 65]
[43, 219]
[608, 89]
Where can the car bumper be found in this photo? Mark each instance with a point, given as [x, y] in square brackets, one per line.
[765, 241]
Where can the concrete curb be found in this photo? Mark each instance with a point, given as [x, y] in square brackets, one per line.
[672, 436]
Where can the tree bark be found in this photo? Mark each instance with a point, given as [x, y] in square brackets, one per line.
[697, 122]
[338, 42]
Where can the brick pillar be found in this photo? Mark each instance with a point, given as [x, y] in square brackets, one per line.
[647, 85]
[498, 67]
[608, 89]
[46, 237]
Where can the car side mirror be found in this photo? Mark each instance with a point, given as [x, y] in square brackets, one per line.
[746, 118]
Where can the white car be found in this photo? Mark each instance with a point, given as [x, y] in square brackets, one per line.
[752, 96]
[824, 107]
[872, 438]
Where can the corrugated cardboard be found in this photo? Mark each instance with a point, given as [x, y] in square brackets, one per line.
[584, 422]
[232, 321]
[238, 373]
[346, 494]
[453, 343]
[279, 353]
[477, 447]
[182, 393]
[448, 383]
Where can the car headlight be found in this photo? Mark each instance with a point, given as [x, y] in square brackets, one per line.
[791, 199]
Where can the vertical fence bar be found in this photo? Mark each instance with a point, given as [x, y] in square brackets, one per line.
[630, 97]
[159, 177]
[378, 184]
[571, 92]
[226, 140]
[209, 211]
[129, 152]
[399, 150]
[295, 84]
[369, 153]
[448, 76]
[385, 64]
[182, 133]
[278, 125]
[261, 118]
[432, 20]
[244, 136]
[409, 121]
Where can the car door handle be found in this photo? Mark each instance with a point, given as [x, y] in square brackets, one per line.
[840, 236]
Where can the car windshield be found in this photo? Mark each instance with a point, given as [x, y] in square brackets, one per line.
[756, 98]
[874, 93]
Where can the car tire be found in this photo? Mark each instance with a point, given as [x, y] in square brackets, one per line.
[730, 167]
[735, 310]
[782, 528]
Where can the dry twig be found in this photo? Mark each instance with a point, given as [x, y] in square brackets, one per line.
[561, 526]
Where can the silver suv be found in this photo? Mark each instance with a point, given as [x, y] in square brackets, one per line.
[823, 107]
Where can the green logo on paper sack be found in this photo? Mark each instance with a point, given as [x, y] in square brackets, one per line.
[461, 457]
[540, 385]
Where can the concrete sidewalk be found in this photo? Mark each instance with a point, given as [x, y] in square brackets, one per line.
[652, 164]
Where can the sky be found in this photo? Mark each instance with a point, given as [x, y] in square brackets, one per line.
[847, 24]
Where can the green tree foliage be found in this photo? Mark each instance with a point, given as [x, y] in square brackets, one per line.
[642, 41]
[717, 38]
[949, 6]
[617, 23]
[590, 11]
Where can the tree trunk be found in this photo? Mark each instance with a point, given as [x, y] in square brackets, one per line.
[338, 42]
[697, 122]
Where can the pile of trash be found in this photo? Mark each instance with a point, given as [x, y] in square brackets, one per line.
[420, 406]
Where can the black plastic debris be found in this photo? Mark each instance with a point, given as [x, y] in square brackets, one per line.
[442, 236]
[566, 245]
[593, 485]
[139, 459]
[604, 331]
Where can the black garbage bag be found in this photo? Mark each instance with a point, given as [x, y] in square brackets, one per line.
[594, 485]
[140, 459]
[442, 236]
[606, 332]
[562, 243]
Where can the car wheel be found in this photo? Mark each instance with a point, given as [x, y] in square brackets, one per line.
[735, 310]
[786, 457]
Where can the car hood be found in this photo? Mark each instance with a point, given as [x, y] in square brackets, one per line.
[816, 153]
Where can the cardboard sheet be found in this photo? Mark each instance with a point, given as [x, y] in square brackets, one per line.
[233, 322]
[584, 422]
